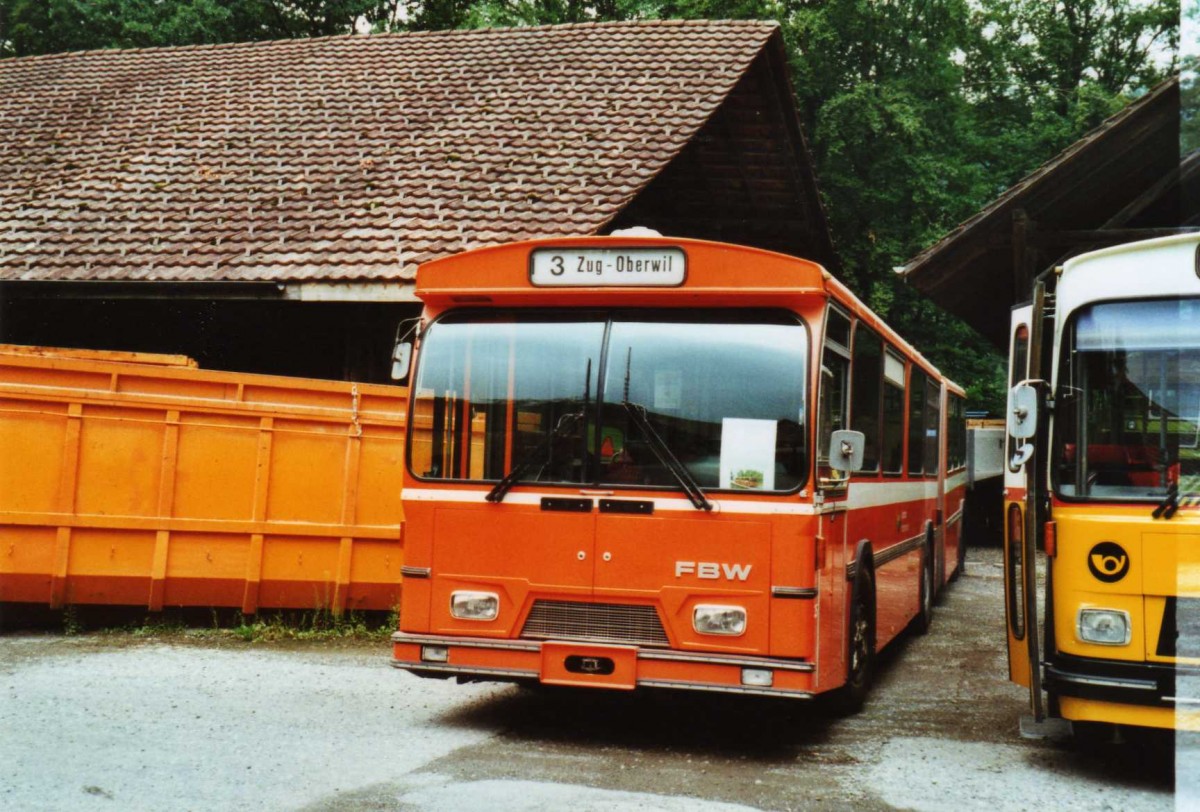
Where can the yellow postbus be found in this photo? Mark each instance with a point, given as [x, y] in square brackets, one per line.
[1104, 474]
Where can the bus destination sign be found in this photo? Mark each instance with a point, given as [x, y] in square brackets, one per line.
[604, 267]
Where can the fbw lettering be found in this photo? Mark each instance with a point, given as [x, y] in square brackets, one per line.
[712, 570]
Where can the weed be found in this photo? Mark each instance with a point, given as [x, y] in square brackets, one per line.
[315, 625]
[158, 626]
[70, 621]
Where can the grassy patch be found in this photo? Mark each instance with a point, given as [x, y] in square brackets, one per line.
[219, 625]
[315, 625]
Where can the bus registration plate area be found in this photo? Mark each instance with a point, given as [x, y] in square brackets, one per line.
[589, 666]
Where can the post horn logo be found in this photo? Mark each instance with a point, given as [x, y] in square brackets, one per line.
[1108, 561]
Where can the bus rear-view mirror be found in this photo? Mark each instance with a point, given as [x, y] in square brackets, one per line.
[401, 357]
[1022, 411]
[846, 450]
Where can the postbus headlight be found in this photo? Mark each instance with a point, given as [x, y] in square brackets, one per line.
[1108, 627]
[727, 620]
[474, 605]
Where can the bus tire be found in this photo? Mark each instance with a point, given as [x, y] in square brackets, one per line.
[924, 618]
[962, 554]
[962, 544]
[860, 643]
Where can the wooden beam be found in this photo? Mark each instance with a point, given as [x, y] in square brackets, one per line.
[1139, 203]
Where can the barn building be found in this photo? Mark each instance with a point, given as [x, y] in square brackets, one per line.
[263, 207]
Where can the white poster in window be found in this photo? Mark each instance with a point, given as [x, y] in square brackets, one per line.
[748, 454]
[668, 390]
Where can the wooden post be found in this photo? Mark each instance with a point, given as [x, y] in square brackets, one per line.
[1024, 255]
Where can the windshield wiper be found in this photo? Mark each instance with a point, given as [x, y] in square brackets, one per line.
[637, 413]
[1171, 503]
[566, 424]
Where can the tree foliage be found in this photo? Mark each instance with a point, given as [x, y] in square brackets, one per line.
[49, 26]
[919, 111]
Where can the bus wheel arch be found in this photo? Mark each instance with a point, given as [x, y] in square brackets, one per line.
[860, 636]
[926, 585]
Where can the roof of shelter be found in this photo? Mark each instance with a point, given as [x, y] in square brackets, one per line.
[350, 158]
[1116, 176]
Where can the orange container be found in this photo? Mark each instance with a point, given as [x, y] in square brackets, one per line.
[132, 479]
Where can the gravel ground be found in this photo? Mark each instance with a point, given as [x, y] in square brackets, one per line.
[111, 723]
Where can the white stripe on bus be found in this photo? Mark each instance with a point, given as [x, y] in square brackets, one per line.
[860, 495]
[758, 506]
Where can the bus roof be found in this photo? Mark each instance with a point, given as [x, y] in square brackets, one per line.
[715, 269]
[1140, 247]
[1147, 269]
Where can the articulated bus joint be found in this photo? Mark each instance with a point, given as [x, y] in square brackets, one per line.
[1147, 684]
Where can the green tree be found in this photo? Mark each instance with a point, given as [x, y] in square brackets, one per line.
[50, 26]
[1189, 64]
[1039, 73]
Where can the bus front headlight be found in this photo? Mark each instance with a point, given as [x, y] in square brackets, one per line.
[474, 605]
[1107, 627]
[727, 620]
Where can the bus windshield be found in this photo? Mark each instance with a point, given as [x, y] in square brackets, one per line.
[719, 393]
[1128, 402]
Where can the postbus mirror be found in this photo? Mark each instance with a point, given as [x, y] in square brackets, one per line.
[1022, 411]
[401, 356]
[846, 450]
[1020, 457]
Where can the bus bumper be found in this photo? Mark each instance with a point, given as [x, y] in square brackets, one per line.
[1143, 694]
[599, 665]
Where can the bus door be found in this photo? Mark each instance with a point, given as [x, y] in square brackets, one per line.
[1019, 607]
[833, 487]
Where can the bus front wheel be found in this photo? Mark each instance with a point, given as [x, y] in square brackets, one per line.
[860, 665]
[924, 618]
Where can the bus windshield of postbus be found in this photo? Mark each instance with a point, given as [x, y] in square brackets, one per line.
[613, 398]
[1128, 401]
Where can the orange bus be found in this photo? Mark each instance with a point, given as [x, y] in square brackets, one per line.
[637, 461]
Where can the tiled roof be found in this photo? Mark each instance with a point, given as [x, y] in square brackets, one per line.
[343, 158]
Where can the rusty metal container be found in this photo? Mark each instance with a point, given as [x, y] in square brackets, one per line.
[135, 479]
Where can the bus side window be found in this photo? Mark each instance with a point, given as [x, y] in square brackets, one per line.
[933, 415]
[835, 386]
[866, 393]
[916, 421]
[958, 432]
[893, 414]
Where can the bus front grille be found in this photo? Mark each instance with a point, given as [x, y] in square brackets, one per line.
[597, 622]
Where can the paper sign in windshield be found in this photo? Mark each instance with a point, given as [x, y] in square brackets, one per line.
[748, 454]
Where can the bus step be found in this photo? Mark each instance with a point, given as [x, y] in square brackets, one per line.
[1053, 729]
